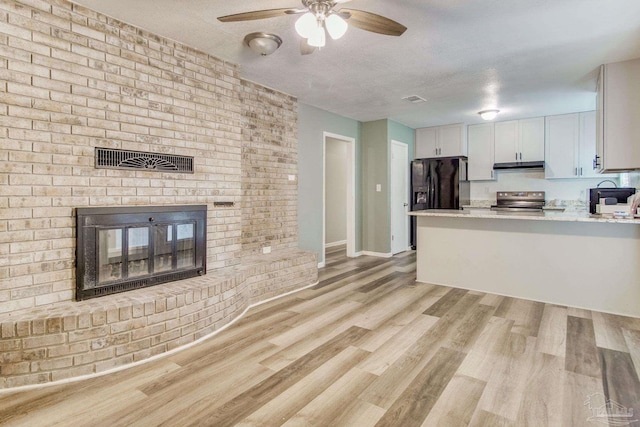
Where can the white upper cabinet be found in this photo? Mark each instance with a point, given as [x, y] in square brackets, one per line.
[452, 140]
[519, 140]
[562, 146]
[441, 141]
[426, 142]
[618, 110]
[506, 141]
[531, 137]
[481, 152]
[587, 149]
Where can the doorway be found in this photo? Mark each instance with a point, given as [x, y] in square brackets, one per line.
[399, 197]
[339, 163]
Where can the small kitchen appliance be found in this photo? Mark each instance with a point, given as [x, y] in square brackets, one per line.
[519, 201]
[620, 194]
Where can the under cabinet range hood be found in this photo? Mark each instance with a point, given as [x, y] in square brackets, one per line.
[539, 165]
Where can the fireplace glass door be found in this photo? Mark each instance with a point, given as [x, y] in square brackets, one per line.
[178, 253]
[128, 248]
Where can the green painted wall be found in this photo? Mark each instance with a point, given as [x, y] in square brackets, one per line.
[401, 133]
[376, 235]
[312, 122]
[376, 164]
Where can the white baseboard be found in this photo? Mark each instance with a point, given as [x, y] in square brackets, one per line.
[378, 254]
[357, 254]
[321, 264]
[333, 244]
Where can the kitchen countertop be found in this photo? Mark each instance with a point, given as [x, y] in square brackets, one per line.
[481, 213]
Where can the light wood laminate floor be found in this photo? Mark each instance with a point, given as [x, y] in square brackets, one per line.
[368, 346]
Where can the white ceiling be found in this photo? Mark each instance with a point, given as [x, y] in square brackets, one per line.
[526, 57]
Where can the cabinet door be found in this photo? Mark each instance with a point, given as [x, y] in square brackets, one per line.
[506, 139]
[598, 159]
[621, 112]
[587, 148]
[531, 139]
[451, 140]
[426, 142]
[481, 152]
[562, 134]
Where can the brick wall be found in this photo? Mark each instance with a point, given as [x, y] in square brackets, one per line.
[72, 80]
[269, 157]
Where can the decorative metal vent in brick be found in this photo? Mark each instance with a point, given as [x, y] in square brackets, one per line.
[108, 158]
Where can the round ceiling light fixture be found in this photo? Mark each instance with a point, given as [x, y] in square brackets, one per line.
[489, 114]
[263, 43]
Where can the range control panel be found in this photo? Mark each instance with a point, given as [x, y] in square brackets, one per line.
[524, 196]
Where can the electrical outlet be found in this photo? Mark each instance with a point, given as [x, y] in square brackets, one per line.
[292, 177]
[266, 250]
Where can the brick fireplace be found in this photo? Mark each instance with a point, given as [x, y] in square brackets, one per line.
[73, 80]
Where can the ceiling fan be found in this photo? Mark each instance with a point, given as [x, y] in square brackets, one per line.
[319, 17]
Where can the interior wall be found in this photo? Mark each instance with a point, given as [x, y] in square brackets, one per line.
[375, 171]
[312, 122]
[401, 133]
[336, 191]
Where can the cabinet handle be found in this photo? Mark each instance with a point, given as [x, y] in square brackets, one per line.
[491, 174]
[516, 157]
[577, 172]
[580, 171]
[520, 156]
[596, 163]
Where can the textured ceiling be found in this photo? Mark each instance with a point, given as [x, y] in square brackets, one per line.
[526, 57]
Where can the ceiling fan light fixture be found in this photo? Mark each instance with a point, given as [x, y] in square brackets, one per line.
[263, 43]
[306, 25]
[336, 26]
[318, 38]
[488, 114]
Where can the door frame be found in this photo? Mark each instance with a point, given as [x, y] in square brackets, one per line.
[351, 193]
[405, 147]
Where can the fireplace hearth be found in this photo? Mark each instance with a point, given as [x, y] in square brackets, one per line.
[124, 248]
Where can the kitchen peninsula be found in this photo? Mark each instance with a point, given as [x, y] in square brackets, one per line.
[570, 259]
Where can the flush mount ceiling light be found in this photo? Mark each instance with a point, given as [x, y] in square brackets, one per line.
[263, 43]
[414, 99]
[319, 17]
[488, 114]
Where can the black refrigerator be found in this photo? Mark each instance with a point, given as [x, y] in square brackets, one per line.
[438, 184]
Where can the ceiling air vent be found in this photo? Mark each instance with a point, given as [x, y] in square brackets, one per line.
[108, 158]
[414, 99]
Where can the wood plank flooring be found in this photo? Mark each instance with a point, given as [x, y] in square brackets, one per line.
[368, 346]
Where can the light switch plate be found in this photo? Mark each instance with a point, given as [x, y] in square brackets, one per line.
[378, 187]
[292, 177]
[266, 250]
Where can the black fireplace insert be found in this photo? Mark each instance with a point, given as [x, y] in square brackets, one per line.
[124, 248]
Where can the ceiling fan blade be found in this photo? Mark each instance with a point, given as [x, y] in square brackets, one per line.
[256, 14]
[305, 49]
[297, 11]
[375, 23]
